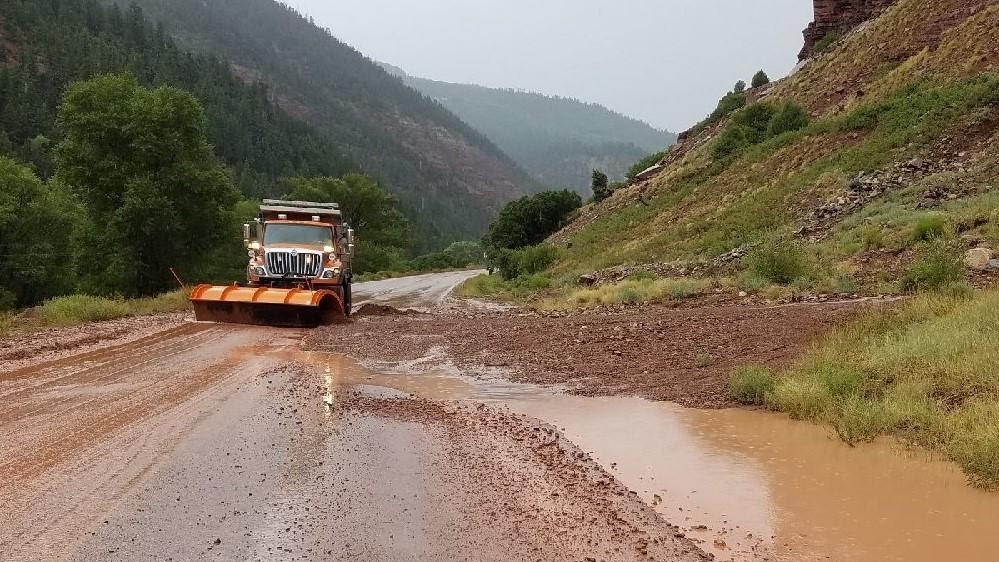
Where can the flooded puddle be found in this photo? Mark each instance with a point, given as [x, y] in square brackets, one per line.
[748, 485]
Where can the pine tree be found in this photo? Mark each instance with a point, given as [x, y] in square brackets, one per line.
[601, 186]
[760, 79]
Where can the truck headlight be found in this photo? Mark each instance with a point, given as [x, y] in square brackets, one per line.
[259, 271]
[329, 274]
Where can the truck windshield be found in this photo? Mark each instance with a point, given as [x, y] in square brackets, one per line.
[277, 234]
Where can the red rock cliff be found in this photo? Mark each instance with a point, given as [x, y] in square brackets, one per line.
[839, 16]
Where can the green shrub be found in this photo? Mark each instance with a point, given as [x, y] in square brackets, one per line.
[872, 238]
[938, 266]
[751, 385]
[930, 227]
[760, 79]
[733, 140]
[777, 260]
[788, 118]
[526, 261]
[730, 103]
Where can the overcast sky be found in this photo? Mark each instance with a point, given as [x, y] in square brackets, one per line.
[664, 61]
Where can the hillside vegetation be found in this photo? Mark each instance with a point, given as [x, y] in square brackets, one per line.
[46, 46]
[894, 142]
[450, 178]
[557, 140]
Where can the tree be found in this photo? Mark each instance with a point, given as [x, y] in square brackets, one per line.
[36, 226]
[601, 186]
[760, 79]
[154, 194]
[529, 220]
[383, 233]
[740, 87]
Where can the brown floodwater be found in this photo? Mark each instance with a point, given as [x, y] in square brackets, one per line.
[748, 485]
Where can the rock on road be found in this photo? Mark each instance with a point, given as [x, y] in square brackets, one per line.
[176, 440]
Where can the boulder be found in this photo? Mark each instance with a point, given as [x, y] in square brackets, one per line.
[978, 258]
[587, 280]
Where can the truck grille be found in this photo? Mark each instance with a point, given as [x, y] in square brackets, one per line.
[300, 264]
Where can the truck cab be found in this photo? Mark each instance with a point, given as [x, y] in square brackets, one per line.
[300, 245]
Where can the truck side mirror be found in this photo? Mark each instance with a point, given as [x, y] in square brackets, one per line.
[246, 234]
[350, 237]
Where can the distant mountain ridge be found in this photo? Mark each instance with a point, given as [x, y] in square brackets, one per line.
[450, 178]
[559, 141]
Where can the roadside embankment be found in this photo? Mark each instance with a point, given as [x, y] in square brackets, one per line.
[926, 371]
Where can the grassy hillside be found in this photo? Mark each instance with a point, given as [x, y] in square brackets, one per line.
[450, 178]
[900, 148]
[557, 140]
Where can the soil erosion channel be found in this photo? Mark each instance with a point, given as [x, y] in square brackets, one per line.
[224, 442]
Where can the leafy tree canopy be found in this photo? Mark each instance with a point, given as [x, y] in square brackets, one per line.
[36, 223]
[155, 196]
[383, 233]
[529, 220]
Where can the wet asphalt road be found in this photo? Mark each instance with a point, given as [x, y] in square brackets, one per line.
[209, 442]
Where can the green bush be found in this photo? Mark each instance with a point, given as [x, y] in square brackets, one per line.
[788, 118]
[733, 140]
[930, 227]
[760, 79]
[756, 123]
[751, 385]
[526, 261]
[777, 260]
[938, 266]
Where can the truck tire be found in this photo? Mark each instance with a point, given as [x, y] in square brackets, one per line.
[346, 298]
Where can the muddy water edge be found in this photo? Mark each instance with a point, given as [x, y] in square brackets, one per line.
[746, 485]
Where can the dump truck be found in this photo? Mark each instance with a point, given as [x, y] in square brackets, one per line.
[298, 272]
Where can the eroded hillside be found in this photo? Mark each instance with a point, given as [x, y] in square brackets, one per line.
[899, 142]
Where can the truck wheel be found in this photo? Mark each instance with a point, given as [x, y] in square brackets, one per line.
[346, 299]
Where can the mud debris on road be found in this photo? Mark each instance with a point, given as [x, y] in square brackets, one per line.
[20, 350]
[683, 355]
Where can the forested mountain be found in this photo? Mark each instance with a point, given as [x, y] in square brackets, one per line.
[557, 140]
[450, 178]
[47, 45]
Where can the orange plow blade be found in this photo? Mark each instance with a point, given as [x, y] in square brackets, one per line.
[266, 307]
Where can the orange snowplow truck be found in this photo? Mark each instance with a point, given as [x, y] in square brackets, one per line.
[298, 274]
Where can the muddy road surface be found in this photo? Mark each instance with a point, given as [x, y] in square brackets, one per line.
[193, 441]
[462, 434]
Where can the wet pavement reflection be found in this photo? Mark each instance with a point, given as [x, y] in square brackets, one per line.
[748, 485]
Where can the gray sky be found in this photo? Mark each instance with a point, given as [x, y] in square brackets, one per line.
[664, 61]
